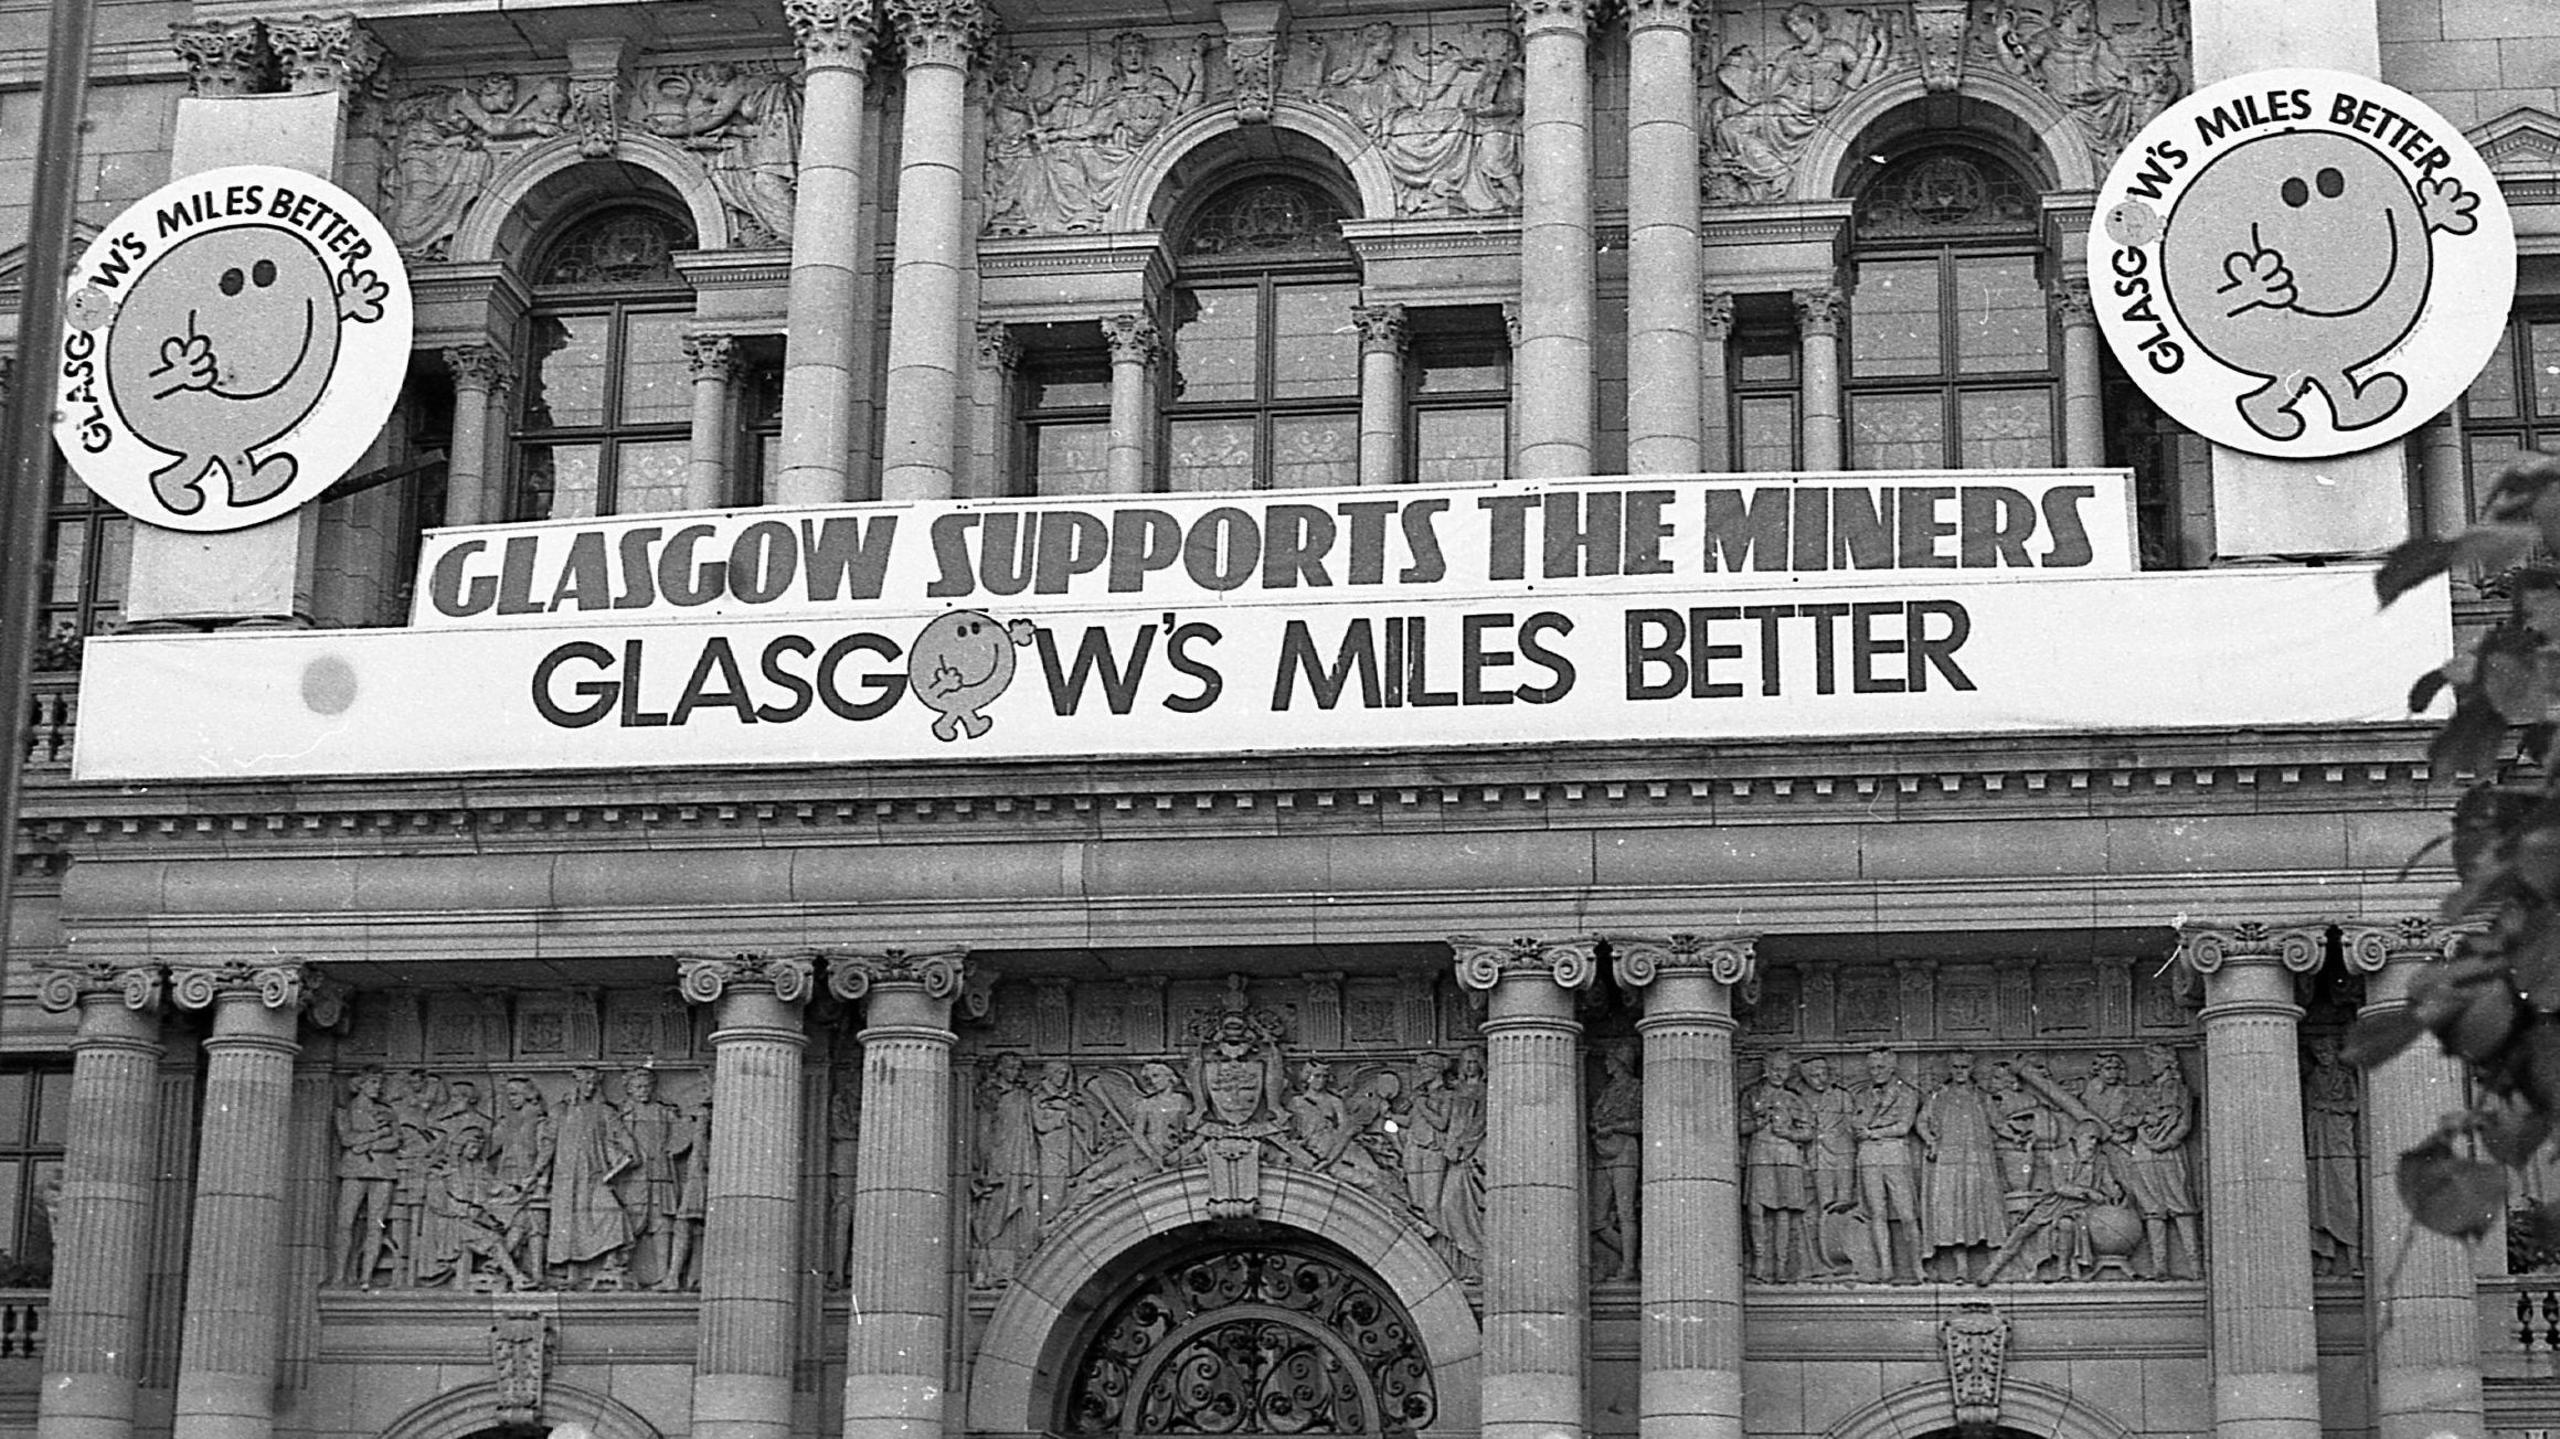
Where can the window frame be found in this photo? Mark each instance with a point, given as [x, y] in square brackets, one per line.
[1437, 335]
[2533, 429]
[33, 1151]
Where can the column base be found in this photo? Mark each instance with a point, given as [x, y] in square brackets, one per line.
[2423, 1401]
[741, 1406]
[1689, 1404]
[1532, 1406]
[85, 1406]
[2265, 1406]
[225, 1406]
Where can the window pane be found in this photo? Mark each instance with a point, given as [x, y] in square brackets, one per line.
[48, 1198]
[657, 388]
[53, 1108]
[1768, 438]
[1213, 347]
[1315, 350]
[1069, 459]
[567, 383]
[1068, 388]
[648, 476]
[2489, 455]
[114, 537]
[1457, 447]
[2007, 428]
[1893, 318]
[1765, 360]
[1462, 375]
[1897, 432]
[2000, 314]
[70, 560]
[1210, 455]
[2544, 344]
[559, 483]
[14, 1089]
[2493, 395]
[1312, 451]
[13, 1178]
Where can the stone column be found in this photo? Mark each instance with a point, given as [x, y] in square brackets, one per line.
[481, 374]
[1135, 344]
[2425, 1321]
[818, 378]
[750, 1259]
[1715, 385]
[2257, 1207]
[1536, 1289]
[1691, 1343]
[2444, 486]
[1383, 333]
[235, 1254]
[900, 1269]
[941, 38]
[1662, 239]
[713, 362]
[102, 1228]
[1551, 360]
[2084, 418]
[1818, 328]
[999, 357]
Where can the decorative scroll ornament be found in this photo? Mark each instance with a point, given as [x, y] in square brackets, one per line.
[2205, 948]
[1939, 26]
[1726, 959]
[831, 32]
[321, 53]
[703, 978]
[519, 1363]
[1253, 67]
[66, 983]
[223, 57]
[277, 986]
[1975, 1342]
[978, 990]
[1255, 1341]
[595, 113]
[1484, 963]
[850, 976]
[2366, 948]
[941, 32]
[1384, 330]
[327, 1003]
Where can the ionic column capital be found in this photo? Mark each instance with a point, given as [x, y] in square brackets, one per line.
[942, 32]
[2205, 948]
[223, 57]
[1661, 15]
[705, 978]
[1730, 960]
[1133, 338]
[832, 33]
[484, 368]
[1818, 309]
[2071, 303]
[318, 54]
[271, 986]
[1548, 17]
[67, 983]
[940, 973]
[2368, 947]
[1384, 329]
[1485, 963]
[711, 357]
[1715, 315]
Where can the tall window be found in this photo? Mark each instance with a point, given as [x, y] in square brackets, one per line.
[92, 547]
[2515, 404]
[35, 1112]
[1062, 404]
[1951, 352]
[608, 400]
[1458, 395]
[1761, 363]
[1266, 362]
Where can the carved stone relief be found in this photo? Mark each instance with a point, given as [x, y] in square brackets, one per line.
[1066, 123]
[1775, 74]
[445, 141]
[1441, 100]
[1617, 1163]
[2113, 64]
[2332, 1120]
[742, 120]
[1965, 1167]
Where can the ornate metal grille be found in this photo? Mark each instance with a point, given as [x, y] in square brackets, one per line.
[622, 246]
[1254, 1341]
[1266, 219]
[1939, 194]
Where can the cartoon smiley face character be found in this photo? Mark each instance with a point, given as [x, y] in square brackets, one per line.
[959, 664]
[2300, 257]
[223, 347]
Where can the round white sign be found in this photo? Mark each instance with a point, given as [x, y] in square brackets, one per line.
[232, 345]
[2302, 263]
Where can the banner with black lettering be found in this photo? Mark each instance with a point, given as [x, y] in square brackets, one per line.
[1027, 679]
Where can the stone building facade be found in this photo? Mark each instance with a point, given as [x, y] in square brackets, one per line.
[1852, 1088]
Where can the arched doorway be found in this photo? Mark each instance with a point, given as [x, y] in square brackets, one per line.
[1254, 1337]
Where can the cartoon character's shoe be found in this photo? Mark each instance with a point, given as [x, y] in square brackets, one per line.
[264, 480]
[2269, 409]
[181, 496]
[2377, 399]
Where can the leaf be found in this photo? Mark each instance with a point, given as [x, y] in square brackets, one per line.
[2537, 859]
[2410, 564]
[2376, 1039]
[2424, 692]
[2449, 1194]
[2537, 1065]
[2484, 1025]
[2493, 547]
[2513, 1133]
[2468, 743]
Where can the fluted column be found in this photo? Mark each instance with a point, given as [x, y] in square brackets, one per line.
[2425, 1321]
[2084, 419]
[1691, 1341]
[818, 379]
[1715, 401]
[480, 375]
[1383, 333]
[1818, 330]
[102, 1226]
[750, 1260]
[713, 362]
[235, 1253]
[1662, 239]
[941, 37]
[1135, 344]
[900, 1268]
[1551, 359]
[2441, 477]
[1536, 1288]
[2257, 1207]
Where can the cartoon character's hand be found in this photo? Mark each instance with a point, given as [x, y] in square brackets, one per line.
[2446, 206]
[1021, 631]
[190, 357]
[360, 296]
[2258, 277]
[946, 678]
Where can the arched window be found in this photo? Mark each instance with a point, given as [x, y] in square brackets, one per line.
[607, 400]
[1951, 354]
[1266, 361]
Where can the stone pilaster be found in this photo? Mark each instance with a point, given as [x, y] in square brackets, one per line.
[223, 57]
[1536, 1289]
[1383, 335]
[1662, 239]
[317, 54]
[1715, 401]
[1691, 1343]
[235, 1254]
[900, 1268]
[1551, 359]
[999, 361]
[818, 380]
[712, 360]
[1135, 345]
[941, 37]
[2443, 477]
[1818, 331]
[102, 1227]
[750, 1261]
[481, 375]
[2257, 1207]
[2084, 420]
[2425, 1321]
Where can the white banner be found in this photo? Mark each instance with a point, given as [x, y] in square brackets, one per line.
[1334, 671]
[1398, 544]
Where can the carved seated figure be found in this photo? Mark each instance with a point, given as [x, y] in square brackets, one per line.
[471, 1218]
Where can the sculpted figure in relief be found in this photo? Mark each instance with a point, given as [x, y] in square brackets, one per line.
[1617, 1151]
[1888, 1113]
[2332, 1108]
[744, 121]
[2112, 80]
[844, 1142]
[693, 1196]
[1963, 1215]
[1149, 1132]
[368, 1158]
[1004, 1191]
[590, 1233]
[1765, 108]
[661, 1140]
[1326, 1129]
[1060, 144]
[2153, 1164]
[523, 1147]
[1445, 116]
[440, 160]
[472, 1217]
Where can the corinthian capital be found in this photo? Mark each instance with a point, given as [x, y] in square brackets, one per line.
[1537, 17]
[711, 357]
[1383, 328]
[277, 986]
[223, 57]
[703, 978]
[831, 32]
[480, 367]
[1727, 959]
[1659, 14]
[2206, 948]
[1133, 339]
[2071, 303]
[321, 53]
[941, 32]
[1484, 963]
[68, 982]
[851, 974]
[1818, 310]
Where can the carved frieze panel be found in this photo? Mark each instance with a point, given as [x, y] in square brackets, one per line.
[741, 120]
[2112, 64]
[443, 141]
[1440, 99]
[1065, 125]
